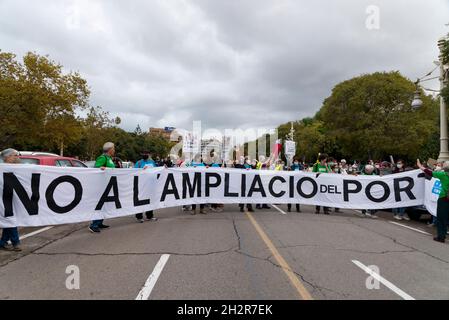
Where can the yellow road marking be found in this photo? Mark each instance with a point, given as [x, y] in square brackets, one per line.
[304, 294]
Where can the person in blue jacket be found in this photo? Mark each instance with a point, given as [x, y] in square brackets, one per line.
[198, 162]
[296, 166]
[145, 163]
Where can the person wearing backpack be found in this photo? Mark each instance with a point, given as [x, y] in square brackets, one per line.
[104, 161]
[443, 200]
[145, 163]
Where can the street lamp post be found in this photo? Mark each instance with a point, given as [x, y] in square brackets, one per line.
[417, 103]
[444, 151]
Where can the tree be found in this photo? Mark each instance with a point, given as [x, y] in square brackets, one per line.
[371, 117]
[38, 102]
[95, 135]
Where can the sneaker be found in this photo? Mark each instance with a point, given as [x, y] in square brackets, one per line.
[439, 240]
[368, 214]
[406, 218]
[94, 230]
[374, 216]
[17, 248]
[103, 226]
[152, 219]
[140, 220]
[397, 217]
[202, 211]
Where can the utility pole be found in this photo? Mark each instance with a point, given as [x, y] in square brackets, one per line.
[444, 151]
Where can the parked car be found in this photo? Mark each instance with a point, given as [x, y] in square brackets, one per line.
[90, 164]
[51, 160]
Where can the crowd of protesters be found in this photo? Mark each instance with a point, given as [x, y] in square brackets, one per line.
[324, 164]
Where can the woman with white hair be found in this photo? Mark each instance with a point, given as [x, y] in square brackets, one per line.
[10, 156]
[443, 200]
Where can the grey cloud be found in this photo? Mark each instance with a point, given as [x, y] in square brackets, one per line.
[230, 64]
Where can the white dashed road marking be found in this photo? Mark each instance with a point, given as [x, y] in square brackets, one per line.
[384, 281]
[147, 288]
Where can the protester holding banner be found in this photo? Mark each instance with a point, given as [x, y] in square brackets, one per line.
[10, 156]
[198, 162]
[145, 163]
[104, 161]
[399, 213]
[443, 200]
[245, 164]
[321, 167]
[368, 170]
[296, 166]
[263, 164]
[216, 163]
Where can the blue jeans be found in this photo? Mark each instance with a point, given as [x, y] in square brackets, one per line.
[96, 224]
[10, 234]
[399, 211]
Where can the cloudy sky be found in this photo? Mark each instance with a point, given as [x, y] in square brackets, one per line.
[228, 63]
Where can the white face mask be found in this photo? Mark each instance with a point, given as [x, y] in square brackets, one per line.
[399, 165]
[377, 166]
[296, 162]
[248, 162]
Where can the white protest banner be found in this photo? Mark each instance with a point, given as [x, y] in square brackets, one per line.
[39, 195]
[190, 143]
[290, 148]
[433, 188]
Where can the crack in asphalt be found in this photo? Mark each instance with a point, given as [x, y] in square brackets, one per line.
[268, 259]
[99, 254]
[413, 249]
[344, 249]
[41, 246]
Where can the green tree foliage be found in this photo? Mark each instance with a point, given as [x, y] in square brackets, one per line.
[371, 117]
[39, 102]
[40, 107]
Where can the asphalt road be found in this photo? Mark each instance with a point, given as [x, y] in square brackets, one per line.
[268, 254]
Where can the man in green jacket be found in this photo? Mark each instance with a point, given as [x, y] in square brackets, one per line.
[104, 161]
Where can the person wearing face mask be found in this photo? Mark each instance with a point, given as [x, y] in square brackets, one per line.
[146, 162]
[10, 156]
[368, 170]
[263, 164]
[245, 164]
[344, 168]
[377, 168]
[399, 213]
[321, 167]
[296, 166]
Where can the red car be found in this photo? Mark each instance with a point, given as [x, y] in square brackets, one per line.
[51, 160]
